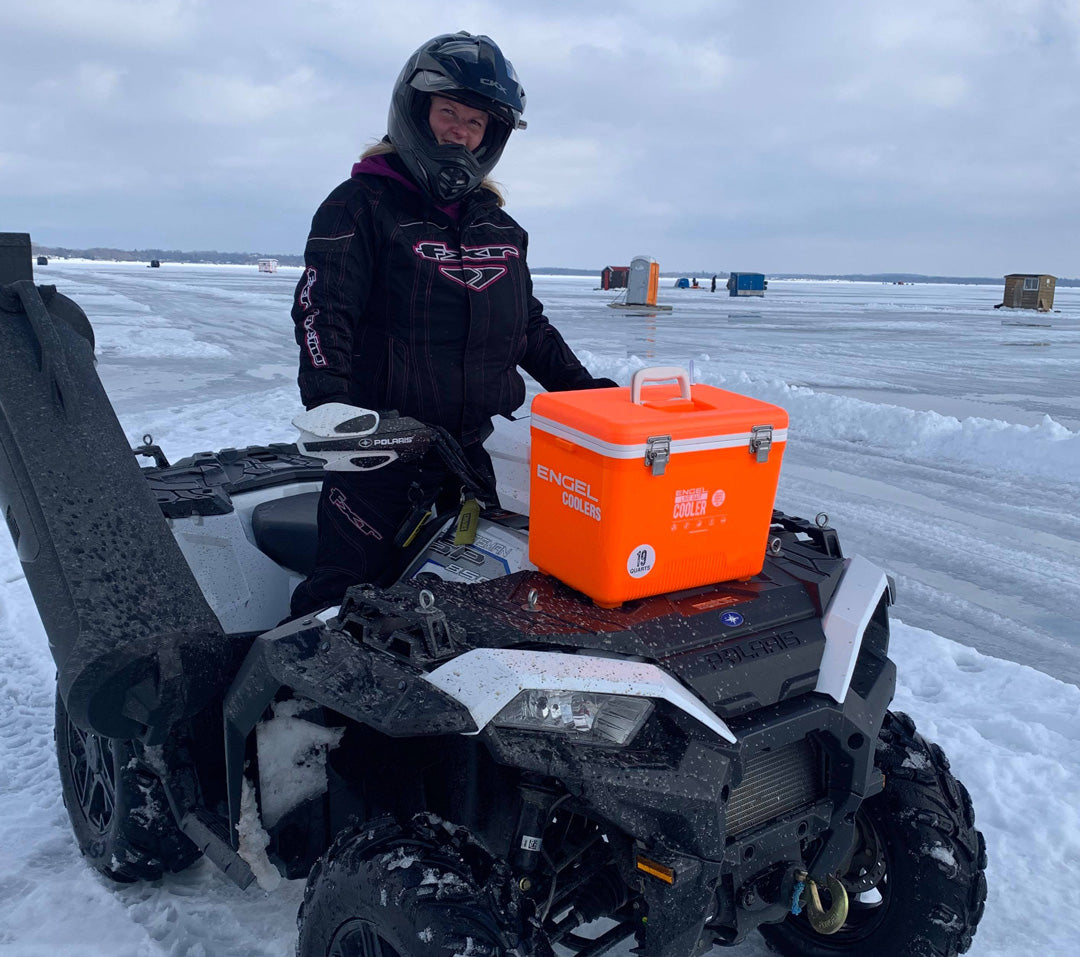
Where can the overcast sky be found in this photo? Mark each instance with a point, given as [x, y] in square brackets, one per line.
[837, 136]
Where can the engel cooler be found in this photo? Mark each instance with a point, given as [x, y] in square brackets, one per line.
[653, 488]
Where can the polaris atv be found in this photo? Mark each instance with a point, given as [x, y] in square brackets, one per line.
[476, 759]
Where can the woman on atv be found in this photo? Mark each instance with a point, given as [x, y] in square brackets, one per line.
[416, 297]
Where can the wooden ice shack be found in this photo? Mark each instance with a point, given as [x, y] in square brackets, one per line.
[1029, 291]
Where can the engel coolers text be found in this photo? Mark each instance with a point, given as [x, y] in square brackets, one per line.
[576, 493]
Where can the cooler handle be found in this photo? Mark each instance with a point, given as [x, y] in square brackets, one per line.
[659, 374]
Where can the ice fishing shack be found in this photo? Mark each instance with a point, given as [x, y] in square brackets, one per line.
[614, 277]
[747, 284]
[1029, 291]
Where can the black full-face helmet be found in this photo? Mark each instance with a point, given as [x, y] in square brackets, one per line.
[469, 69]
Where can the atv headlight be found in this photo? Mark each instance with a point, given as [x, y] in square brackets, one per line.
[591, 718]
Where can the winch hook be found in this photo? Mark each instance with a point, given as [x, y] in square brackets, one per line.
[822, 920]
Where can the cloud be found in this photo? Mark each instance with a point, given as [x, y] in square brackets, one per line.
[115, 22]
[231, 99]
[97, 81]
[841, 135]
[558, 173]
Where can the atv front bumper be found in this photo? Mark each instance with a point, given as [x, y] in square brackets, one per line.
[729, 824]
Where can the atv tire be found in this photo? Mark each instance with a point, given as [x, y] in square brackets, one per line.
[916, 877]
[118, 809]
[384, 890]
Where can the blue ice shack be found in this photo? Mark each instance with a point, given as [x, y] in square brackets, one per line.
[746, 284]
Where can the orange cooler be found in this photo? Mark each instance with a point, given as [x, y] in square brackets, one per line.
[653, 488]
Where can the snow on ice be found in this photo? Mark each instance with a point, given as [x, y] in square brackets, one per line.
[942, 439]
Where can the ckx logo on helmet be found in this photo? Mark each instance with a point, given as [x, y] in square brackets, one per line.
[467, 68]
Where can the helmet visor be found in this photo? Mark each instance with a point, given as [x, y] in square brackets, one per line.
[430, 81]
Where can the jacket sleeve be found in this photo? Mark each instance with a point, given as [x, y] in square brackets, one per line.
[332, 293]
[548, 358]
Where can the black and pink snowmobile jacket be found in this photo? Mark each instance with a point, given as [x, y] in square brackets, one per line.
[424, 309]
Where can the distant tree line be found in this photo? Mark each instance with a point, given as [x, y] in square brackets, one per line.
[288, 259]
[908, 277]
[890, 277]
[166, 255]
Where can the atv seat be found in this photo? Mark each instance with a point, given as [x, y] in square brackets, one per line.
[286, 529]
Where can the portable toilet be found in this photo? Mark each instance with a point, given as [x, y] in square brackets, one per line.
[746, 284]
[643, 282]
[641, 286]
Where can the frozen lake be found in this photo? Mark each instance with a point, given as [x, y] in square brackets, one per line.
[941, 436]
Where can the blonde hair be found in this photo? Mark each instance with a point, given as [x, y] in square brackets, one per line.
[382, 147]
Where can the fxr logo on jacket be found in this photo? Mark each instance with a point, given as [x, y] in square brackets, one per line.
[338, 500]
[466, 266]
[311, 337]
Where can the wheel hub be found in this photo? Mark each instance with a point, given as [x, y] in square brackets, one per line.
[94, 786]
[359, 938]
[867, 866]
[93, 753]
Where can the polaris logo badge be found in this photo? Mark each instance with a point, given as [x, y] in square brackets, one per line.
[732, 619]
[382, 443]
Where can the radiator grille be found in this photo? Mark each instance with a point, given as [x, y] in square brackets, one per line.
[773, 784]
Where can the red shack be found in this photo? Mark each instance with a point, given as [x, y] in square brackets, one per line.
[614, 277]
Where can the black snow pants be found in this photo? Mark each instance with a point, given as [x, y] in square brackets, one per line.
[360, 516]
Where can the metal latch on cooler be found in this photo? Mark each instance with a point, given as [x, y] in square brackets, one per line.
[761, 442]
[657, 453]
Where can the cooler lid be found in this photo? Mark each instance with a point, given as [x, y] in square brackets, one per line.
[696, 417]
[637, 449]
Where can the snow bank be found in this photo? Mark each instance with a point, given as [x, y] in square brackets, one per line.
[1048, 449]
[1012, 735]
